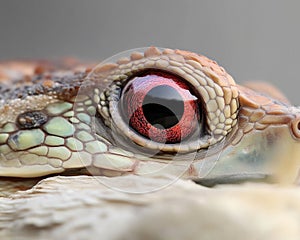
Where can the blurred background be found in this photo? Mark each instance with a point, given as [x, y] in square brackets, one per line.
[253, 40]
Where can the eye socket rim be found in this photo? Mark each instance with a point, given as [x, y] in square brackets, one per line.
[123, 128]
[208, 77]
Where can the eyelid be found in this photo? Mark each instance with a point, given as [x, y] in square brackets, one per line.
[212, 83]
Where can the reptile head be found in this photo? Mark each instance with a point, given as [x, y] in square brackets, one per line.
[148, 112]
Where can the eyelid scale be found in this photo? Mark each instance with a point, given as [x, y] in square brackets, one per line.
[215, 87]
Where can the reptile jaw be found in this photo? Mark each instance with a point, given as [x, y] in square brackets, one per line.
[258, 156]
[264, 146]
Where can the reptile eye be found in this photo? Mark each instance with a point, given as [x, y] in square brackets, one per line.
[163, 101]
[160, 106]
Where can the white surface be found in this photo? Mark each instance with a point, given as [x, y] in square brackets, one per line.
[82, 208]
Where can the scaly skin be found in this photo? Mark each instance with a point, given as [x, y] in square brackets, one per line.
[252, 133]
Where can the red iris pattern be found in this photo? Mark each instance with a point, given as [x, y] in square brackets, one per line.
[169, 119]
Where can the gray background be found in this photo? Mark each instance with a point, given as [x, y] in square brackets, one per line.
[253, 40]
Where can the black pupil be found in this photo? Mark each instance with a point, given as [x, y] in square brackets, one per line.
[163, 107]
